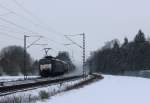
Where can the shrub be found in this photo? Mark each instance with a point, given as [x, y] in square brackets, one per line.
[44, 95]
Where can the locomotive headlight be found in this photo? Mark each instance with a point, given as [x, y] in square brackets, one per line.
[46, 66]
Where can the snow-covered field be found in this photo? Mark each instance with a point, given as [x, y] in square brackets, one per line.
[112, 89]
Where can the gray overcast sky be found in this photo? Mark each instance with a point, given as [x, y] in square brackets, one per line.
[100, 20]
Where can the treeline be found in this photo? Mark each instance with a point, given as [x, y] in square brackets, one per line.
[116, 58]
[12, 61]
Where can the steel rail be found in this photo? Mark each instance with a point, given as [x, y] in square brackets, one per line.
[7, 90]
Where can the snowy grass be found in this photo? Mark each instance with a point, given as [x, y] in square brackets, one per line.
[37, 95]
[20, 99]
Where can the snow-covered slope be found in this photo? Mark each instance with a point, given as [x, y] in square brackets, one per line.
[112, 89]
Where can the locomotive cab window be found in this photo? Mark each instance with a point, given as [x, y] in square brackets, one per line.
[45, 66]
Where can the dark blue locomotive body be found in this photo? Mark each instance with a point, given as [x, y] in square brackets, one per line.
[49, 67]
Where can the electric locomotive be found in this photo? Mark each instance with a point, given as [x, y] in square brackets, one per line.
[50, 67]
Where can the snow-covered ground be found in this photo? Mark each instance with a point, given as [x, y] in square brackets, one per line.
[112, 89]
[52, 89]
[12, 78]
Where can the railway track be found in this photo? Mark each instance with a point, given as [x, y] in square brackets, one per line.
[20, 86]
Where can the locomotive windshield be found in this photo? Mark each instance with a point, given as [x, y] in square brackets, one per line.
[45, 66]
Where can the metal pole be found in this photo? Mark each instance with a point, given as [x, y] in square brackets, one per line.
[25, 50]
[83, 48]
[25, 56]
[84, 71]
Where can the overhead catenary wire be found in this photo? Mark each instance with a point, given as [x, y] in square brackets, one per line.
[26, 19]
[52, 40]
[15, 13]
[52, 30]
[15, 23]
[19, 26]
[33, 42]
[27, 11]
[22, 16]
[55, 42]
[4, 14]
[10, 36]
[9, 29]
[39, 24]
[34, 17]
[62, 44]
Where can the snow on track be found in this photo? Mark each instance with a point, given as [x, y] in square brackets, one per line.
[13, 78]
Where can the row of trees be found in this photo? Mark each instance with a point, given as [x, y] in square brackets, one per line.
[116, 58]
[12, 61]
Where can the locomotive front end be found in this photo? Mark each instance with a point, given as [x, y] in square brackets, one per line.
[45, 66]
